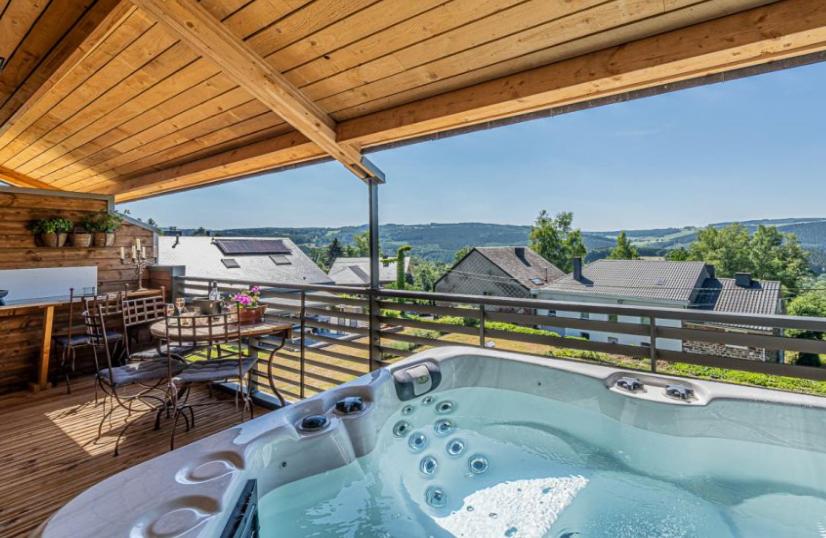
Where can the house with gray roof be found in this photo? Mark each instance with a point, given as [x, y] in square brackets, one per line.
[499, 271]
[356, 271]
[241, 258]
[662, 283]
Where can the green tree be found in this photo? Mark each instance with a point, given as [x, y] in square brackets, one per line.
[624, 249]
[401, 274]
[461, 253]
[811, 304]
[679, 254]
[426, 273]
[200, 231]
[334, 250]
[360, 246]
[553, 239]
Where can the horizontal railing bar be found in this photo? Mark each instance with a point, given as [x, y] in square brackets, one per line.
[335, 300]
[754, 320]
[743, 339]
[297, 383]
[362, 331]
[570, 323]
[281, 306]
[429, 309]
[393, 351]
[430, 325]
[354, 290]
[338, 355]
[745, 365]
[415, 339]
[337, 313]
[338, 342]
[569, 343]
[335, 367]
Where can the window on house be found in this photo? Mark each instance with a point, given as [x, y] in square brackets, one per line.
[645, 320]
[613, 318]
[230, 263]
[551, 313]
[586, 336]
[646, 345]
[280, 259]
[584, 315]
[538, 281]
[613, 340]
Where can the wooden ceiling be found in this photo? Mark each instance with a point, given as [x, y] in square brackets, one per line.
[136, 98]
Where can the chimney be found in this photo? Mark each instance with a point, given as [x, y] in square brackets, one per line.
[742, 280]
[711, 270]
[578, 269]
[520, 253]
[177, 239]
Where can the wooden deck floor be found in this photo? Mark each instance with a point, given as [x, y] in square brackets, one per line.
[48, 454]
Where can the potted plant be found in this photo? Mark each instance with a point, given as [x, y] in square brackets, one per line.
[251, 310]
[82, 234]
[103, 227]
[52, 232]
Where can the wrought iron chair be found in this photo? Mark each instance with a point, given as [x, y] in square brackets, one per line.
[143, 382]
[112, 309]
[208, 331]
[72, 340]
[141, 312]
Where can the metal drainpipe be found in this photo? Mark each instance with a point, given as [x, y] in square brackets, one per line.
[373, 229]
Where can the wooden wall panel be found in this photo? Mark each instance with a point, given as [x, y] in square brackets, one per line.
[20, 328]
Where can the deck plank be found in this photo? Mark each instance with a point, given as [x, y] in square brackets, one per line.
[48, 454]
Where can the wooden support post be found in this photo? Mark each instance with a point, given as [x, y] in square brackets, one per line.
[45, 351]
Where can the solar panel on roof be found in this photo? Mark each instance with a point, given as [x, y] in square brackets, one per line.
[239, 247]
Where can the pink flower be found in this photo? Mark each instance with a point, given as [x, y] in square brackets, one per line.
[255, 289]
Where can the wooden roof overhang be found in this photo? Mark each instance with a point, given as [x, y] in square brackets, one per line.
[135, 98]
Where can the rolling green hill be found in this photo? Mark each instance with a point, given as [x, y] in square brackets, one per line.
[439, 242]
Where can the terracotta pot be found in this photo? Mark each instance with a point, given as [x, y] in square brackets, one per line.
[104, 239]
[247, 316]
[83, 240]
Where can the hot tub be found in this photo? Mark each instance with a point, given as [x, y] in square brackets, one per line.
[465, 442]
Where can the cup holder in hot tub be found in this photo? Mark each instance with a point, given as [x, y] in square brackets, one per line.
[313, 423]
[350, 405]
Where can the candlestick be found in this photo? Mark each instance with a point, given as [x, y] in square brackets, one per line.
[122, 254]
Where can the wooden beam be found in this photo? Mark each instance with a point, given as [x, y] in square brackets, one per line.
[92, 28]
[210, 38]
[778, 31]
[19, 180]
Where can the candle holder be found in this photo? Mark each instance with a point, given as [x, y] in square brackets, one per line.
[138, 259]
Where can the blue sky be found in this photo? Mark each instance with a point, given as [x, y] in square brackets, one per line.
[750, 148]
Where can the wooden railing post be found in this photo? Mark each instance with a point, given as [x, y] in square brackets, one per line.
[652, 349]
[301, 365]
[481, 324]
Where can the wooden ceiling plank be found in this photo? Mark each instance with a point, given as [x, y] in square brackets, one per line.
[42, 111]
[17, 179]
[16, 78]
[210, 38]
[239, 20]
[629, 31]
[209, 99]
[124, 77]
[381, 41]
[205, 141]
[163, 75]
[186, 134]
[478, 45]
[780, 30]
[259, 16]
[18, 18]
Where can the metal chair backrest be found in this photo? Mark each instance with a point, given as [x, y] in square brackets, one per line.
[143, 310]
[110, 304]
[70, 323]
[96, 331]
[204, 330]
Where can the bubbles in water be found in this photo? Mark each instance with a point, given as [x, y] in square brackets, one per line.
[417, 442]
[445, 407]
[428, 466]
[478, 464]
[408, 410]
[401, 428]
[470, 508]
[455, 448]
[493, 515]
[511, 531]
[444, 427]
[427, 400]
[435, 497]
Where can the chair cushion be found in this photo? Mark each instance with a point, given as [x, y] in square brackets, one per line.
[214, 370]
[153, 353]
[114, 335]
[139, 372]
[75, 340]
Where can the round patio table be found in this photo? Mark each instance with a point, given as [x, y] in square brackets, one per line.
[203, 335]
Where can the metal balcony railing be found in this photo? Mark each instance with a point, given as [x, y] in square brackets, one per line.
[344, 332]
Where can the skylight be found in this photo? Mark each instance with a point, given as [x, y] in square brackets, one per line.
[230, 263]
[280, 259]
[537, 280]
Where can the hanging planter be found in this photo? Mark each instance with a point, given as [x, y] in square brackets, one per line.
[52, 232]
